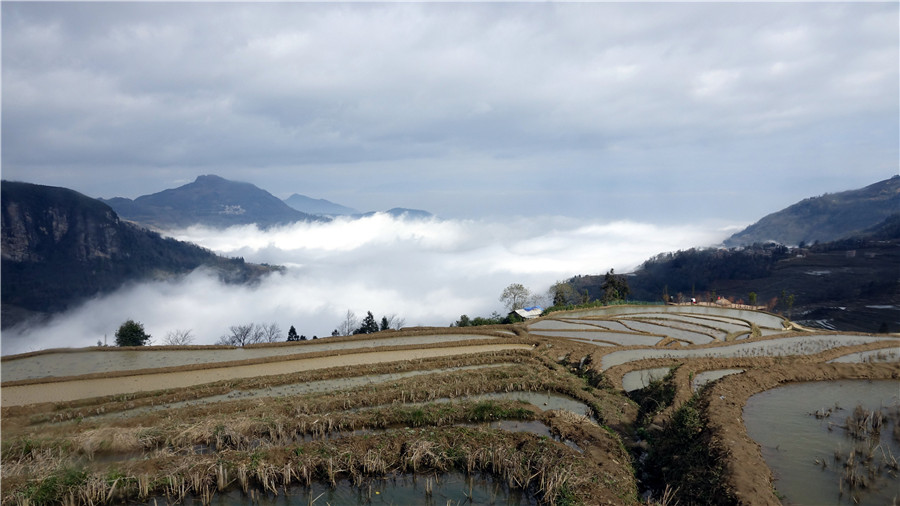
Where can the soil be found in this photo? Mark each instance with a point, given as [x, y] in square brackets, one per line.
[68, 390]
[69, 415]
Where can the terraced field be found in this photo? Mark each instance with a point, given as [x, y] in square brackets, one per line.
[578, 407]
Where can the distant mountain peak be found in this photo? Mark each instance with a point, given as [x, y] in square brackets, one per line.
[209, 200]
[310, 205]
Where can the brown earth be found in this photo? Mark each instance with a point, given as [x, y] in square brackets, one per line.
[55, 390]
[70, 413]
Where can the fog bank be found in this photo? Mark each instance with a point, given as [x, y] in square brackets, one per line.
[428, 272]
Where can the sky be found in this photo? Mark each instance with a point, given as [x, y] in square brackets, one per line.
[550, 139]
[659, 113]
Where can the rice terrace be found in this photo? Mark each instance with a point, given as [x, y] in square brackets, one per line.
[607, 405]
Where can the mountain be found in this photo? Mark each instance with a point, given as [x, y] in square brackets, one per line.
[825, 218]
[60, 247]
[209, 200]
[851, 284]
[310, 205]
[402, 212]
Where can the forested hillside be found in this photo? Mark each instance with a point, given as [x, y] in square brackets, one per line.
[209, 200]
[60, 247]
[849, 284]
[825, 218]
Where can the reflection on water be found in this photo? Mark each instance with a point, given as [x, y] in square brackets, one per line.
[800, 430]
[702, 378]
[430, 490]
[636, 380]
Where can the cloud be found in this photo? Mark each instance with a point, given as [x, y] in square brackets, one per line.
[387, 103]
[428, 272]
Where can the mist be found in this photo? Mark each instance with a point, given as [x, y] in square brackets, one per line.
[426, 272]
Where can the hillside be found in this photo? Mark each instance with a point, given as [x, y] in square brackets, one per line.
[209, 200]
[60, 247]
[310, 205]
[851, 284]
[825, 218]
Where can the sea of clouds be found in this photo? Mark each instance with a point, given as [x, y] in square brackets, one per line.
[426, 272]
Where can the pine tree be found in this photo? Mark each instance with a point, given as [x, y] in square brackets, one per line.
[369, 326]
[131, 333]
[292, 334]
[615, 287]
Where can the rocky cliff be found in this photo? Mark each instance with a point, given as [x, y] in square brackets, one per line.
[59, 247]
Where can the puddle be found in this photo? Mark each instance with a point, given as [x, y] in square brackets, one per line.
[702, 378]
[808, 454]
[449, 488]
[636, 380]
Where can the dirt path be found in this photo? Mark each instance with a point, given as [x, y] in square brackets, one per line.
[98, 387]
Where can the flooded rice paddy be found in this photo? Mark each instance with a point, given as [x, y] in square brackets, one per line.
[702, 378]
[99, 387]
[453, 488]
[656, 325]
[370, 426]
[795, 345]
[885, 355]
[79, 362]
[802, 432]
[636, 380]
[724, 314]
[295, 389]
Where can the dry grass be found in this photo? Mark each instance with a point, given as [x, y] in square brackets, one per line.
[141, 446]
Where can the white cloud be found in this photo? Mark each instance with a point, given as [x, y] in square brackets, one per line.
[428, 272]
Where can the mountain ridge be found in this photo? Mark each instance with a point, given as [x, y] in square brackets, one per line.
[824, 218]
[209, 200]
[313, 206]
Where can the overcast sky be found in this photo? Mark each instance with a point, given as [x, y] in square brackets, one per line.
[653, 112]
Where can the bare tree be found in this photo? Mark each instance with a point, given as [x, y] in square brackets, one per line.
[242, 335]
[515, 296]
[392, 322]
[349, 324]
[271, 333]
[178, 337]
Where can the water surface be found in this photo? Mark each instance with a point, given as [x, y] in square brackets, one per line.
[800, 448]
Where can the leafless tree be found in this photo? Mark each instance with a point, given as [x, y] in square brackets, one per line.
[242, 335]
[394, 322]
[271, 333]
[515, 296]
[178, 337]
[349, 324]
